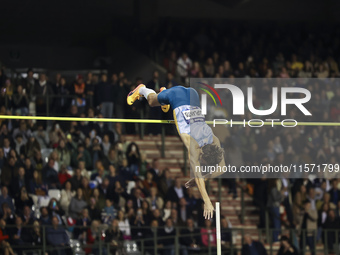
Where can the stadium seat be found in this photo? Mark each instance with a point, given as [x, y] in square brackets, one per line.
[64, 221]
[32, 109]
[39, 201]
[103, 227]
[70, 172]
[76, 247]
[131, 247]
[34, 198]
[54, 193]
[45, 153]
[43, 201]
[36, 211]
[130, 186]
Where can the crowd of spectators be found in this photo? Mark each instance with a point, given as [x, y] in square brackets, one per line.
[102, 179]
[298, 201]
[92, 164]
[239, 50]
[57, 95]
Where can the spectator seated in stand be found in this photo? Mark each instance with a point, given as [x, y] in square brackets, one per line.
[94, 211]
[23, 200]
[4, 237]
[191, 237]
[114, 237]
[5, 198]
[286, 247]
[8, 216]
[45, 218]
[25, 145]
[57, 237]
[77, 204]
[66, 196]
[208, 234]
[50, 175]
[54, 209]
[94, 234]
[28, 216]
[81, 155]
[82, 222]
[169, 231]
[109, 211]
[124, 225]
[63, 175]
[18, 235]
[251, 246]
[37, 186]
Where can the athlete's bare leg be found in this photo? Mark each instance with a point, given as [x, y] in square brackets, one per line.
[152, 100]
[142, 91]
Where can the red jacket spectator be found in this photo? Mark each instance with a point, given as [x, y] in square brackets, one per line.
[2, 236]
[92, 237]
[208, 234]
[63, 175]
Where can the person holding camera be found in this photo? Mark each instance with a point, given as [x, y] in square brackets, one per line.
[20, 101]
[138, 224]
[287, 248]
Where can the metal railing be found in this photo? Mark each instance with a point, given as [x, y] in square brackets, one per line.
[303, 240]
[153, 244]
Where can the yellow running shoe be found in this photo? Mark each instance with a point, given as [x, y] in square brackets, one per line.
[165, 108]
[134, 95]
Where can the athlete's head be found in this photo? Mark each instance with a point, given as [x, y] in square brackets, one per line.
[212, 154]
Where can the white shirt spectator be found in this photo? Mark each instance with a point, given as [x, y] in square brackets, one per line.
[65, 199]
[166, 214]
[183, 65]
[179, 192]
[312, 202]
[285, 184]
[6, 151]
[56, 166]
[42, 137]
[323, 217]
[124, 226]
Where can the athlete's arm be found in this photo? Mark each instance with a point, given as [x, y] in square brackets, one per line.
[194, 153]
[200, 182]
[216, 141]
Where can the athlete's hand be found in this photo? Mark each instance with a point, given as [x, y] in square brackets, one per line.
[191, 183]
[208, 211]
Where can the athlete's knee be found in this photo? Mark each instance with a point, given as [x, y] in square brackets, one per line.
[152, 100]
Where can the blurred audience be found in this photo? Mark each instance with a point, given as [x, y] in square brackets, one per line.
[99, 173]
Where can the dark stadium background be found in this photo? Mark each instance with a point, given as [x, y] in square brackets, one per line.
[123, 165]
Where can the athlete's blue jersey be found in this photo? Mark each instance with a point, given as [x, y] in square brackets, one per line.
[179, 95]
[187, 113]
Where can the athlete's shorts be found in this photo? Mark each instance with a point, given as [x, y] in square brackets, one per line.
[189, 120]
